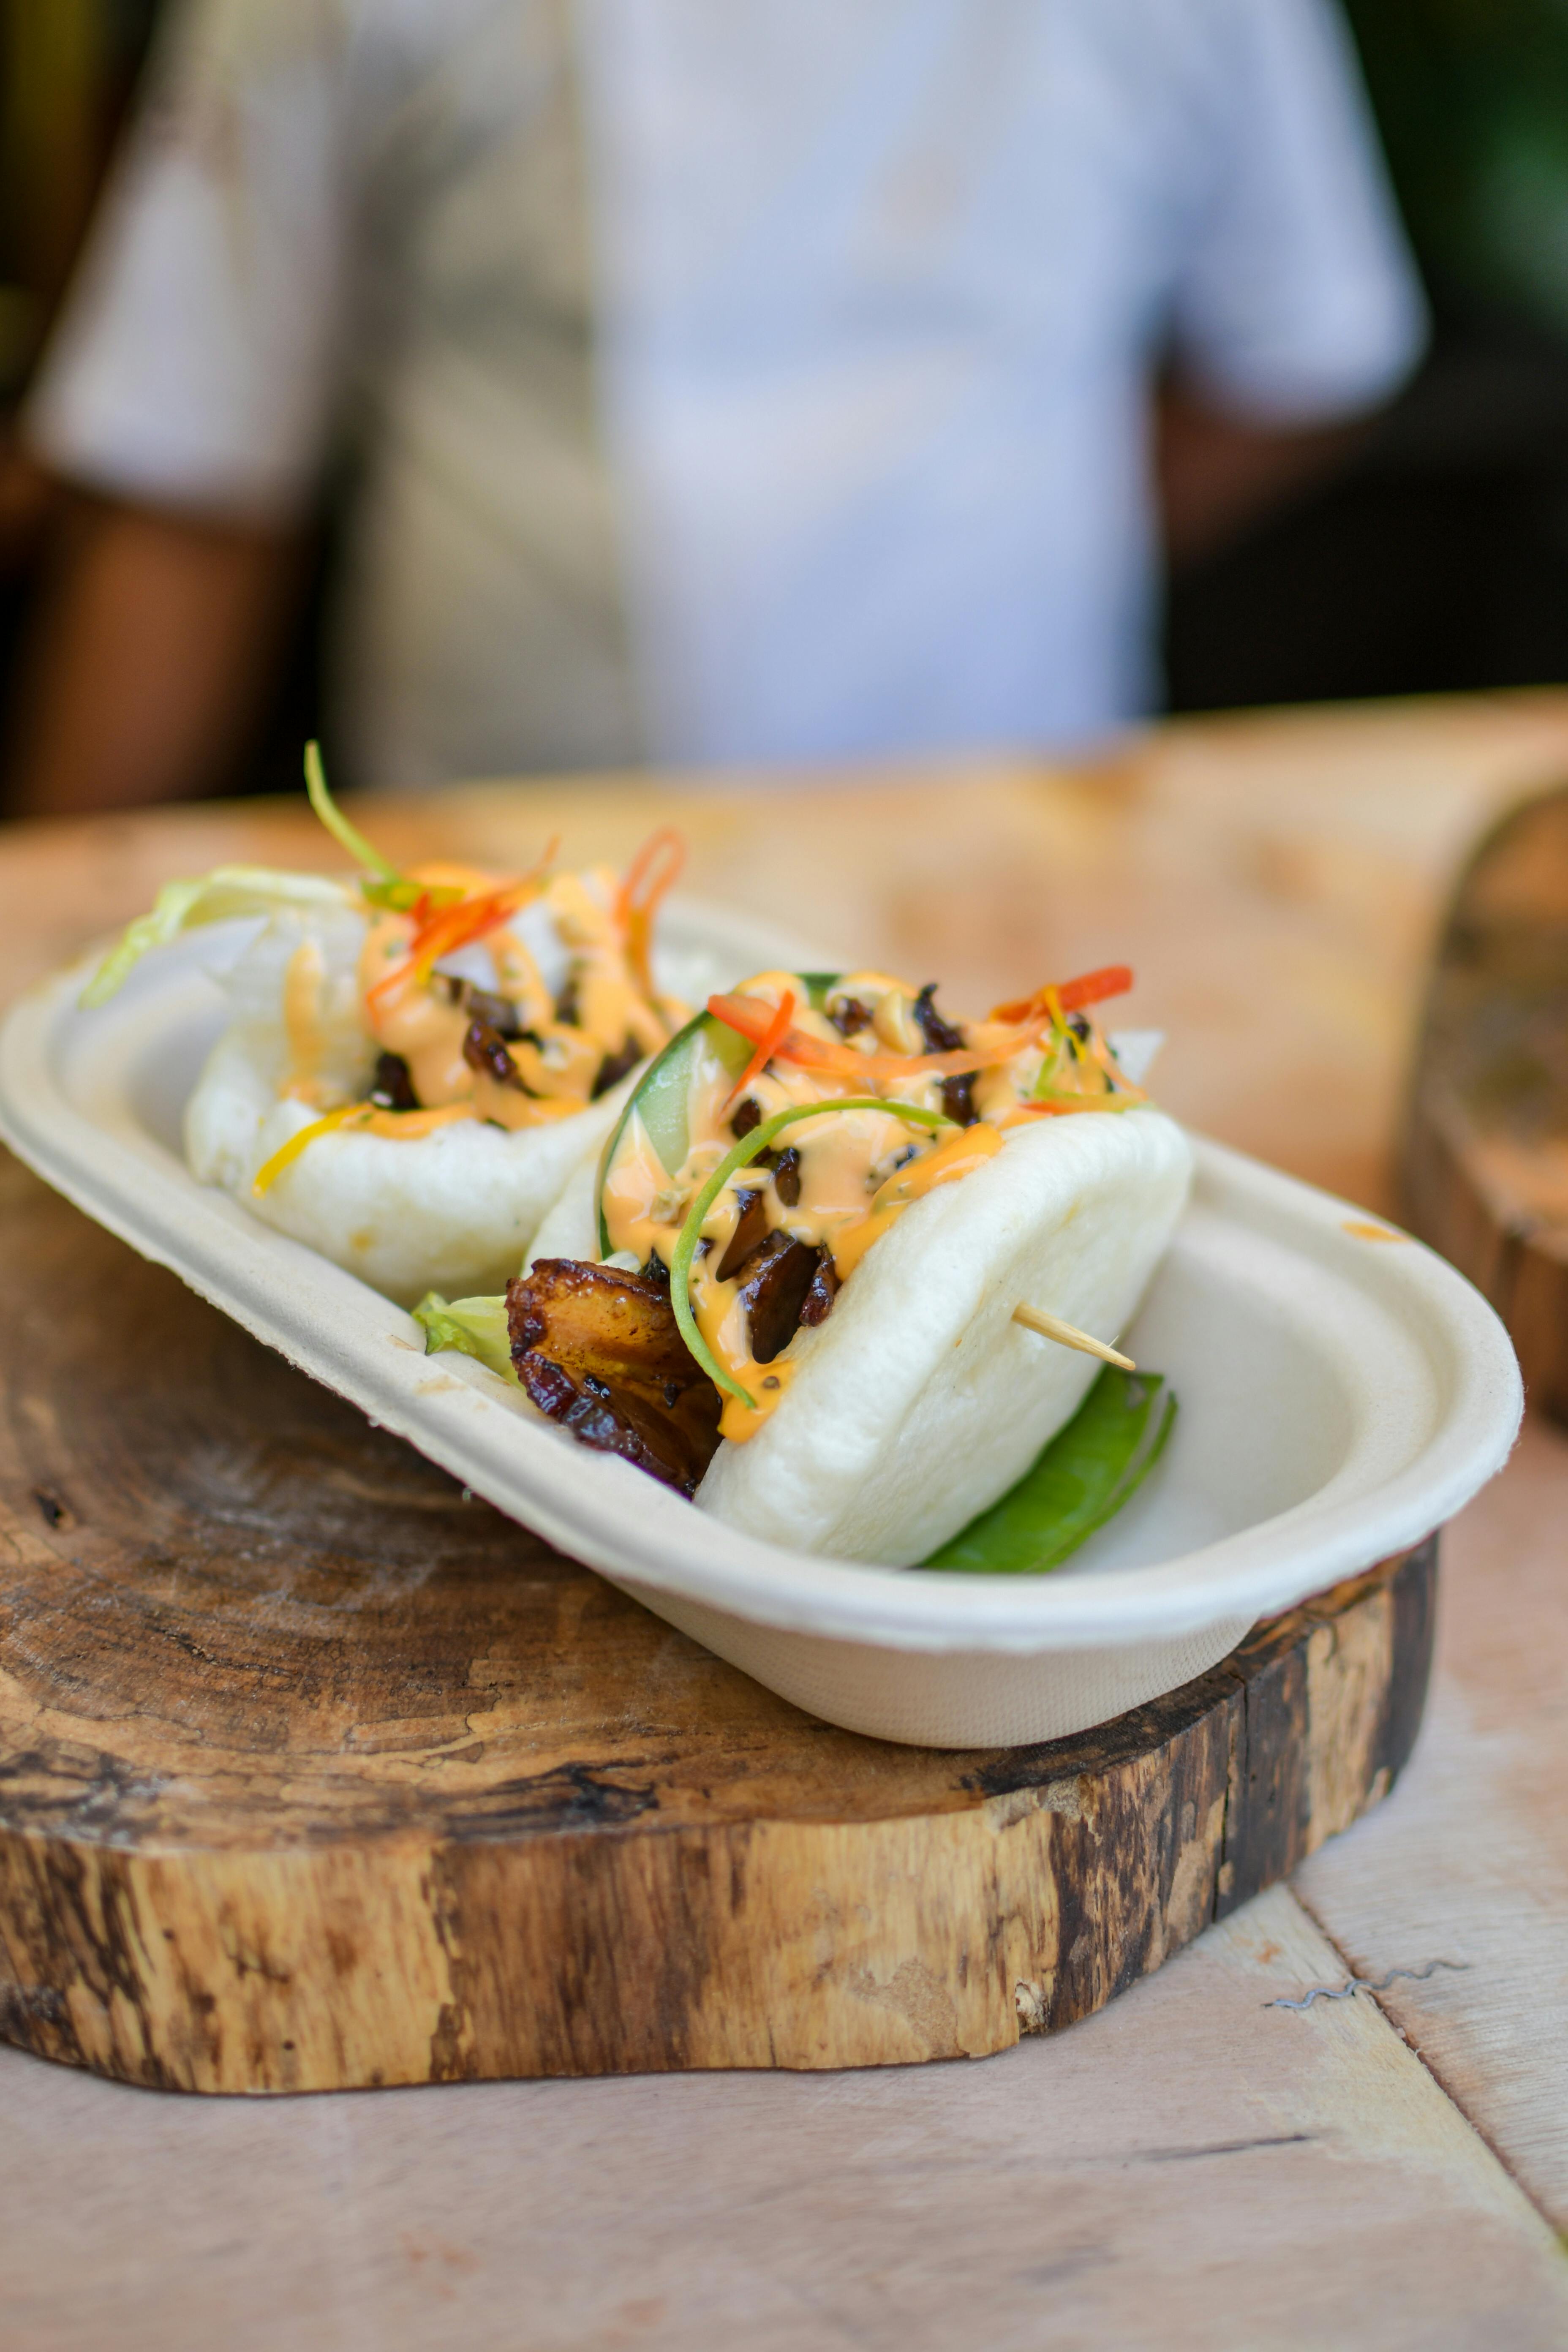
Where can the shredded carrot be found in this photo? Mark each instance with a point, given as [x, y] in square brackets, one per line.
[772, 1037]
[1063, 1106]
[270, 1170]
[442, 930]
[638, 901]
[1071, 995]
[750, 1017]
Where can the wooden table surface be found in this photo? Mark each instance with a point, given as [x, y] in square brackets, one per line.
[1194, 2167]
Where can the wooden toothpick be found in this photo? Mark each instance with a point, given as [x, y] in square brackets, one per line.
[1051, 1326]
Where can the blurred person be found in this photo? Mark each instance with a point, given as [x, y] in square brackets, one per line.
[725, 382]
[1435, 560]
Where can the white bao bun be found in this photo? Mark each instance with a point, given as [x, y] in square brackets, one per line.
[452, 1212]
[919, 1400]
[571, 1229]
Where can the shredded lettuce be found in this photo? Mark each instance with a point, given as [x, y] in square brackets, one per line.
[233, 890]
[226, 892]
[1080, 1479]
[475, 1327]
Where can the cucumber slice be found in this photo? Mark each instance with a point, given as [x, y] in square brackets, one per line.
[662, 1096]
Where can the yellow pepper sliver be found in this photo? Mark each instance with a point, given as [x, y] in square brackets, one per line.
[270, 1170]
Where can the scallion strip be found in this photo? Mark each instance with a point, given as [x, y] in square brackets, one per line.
[742, 1154]
[347, 836]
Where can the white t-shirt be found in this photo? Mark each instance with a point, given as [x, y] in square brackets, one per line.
[730, 380]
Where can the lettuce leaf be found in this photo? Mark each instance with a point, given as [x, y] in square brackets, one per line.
[217, 898]
[475, 1327]
[1080, 1479]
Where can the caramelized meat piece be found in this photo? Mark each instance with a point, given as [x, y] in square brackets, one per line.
[751, 1232]
[497, 1013]
[786, 1177]
[614, 1068]
[775, 1291]
[940, 1037]
[747, 1114]
[819, 1303]
[958, 1099]
[392, 1087]
[851, 1017]
[599, 1351]
[484, 1049]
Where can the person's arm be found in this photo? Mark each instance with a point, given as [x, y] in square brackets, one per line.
[193, 372]
[150, 660]
[1297, 312]
[1217, 473]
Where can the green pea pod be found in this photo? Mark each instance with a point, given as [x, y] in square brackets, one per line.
[743, 1153]
[1081, 1478]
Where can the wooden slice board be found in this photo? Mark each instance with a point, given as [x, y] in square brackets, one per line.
[315, 1773]
[1486, 1149]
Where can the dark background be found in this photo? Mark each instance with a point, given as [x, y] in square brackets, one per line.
[1435, 558]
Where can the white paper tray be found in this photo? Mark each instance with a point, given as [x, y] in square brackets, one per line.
[1339, 1398]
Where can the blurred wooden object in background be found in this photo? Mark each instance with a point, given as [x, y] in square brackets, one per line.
[1485, 1151]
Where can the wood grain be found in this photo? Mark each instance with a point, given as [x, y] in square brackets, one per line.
[1485, 1161]
[314, 1772]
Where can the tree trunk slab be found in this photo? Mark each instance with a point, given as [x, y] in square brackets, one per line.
[317, 1773]
[1486, 1147]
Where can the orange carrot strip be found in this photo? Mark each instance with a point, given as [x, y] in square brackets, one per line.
[778, 1029]
[637, 900]
[445, 928]
[451, 927]
[1063, 1107]
[1071, 995]
[751, 1017]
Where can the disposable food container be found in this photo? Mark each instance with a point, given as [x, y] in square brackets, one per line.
[1342, 1393]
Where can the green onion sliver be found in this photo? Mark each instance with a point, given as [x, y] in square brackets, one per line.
[740, 1157]
[347, 836]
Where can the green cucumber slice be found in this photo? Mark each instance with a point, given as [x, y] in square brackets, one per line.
[661, 1100]
[1080, 1479]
